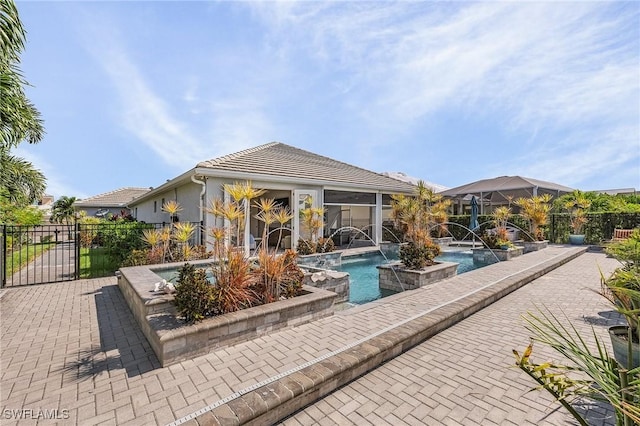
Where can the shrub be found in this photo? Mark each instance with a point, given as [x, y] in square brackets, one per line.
[497, 239]
[325, 245]
[120, 239]
[291, 283]
[536, 210]
[305, 247]
[137, 258]
[418, 256]
[195, 297]
[268, 275]
[234, 282]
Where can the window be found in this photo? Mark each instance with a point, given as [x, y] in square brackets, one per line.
[155, 206]
[345, 197]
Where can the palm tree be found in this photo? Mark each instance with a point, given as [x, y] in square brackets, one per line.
[62, 210]
[21, 183]
[19, 119]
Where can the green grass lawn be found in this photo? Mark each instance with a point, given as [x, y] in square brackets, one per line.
[17, 259]
[94, 263]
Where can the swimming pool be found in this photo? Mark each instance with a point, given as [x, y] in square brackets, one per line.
[363, 274]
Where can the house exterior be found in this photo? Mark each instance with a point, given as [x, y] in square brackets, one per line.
[352, 196]
[45, 204]
[500, 191]
[113, 202]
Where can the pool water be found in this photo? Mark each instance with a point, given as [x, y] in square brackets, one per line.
[463, 259]
[363, 274]
[363, 278]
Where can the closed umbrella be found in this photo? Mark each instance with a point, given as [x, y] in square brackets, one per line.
[474, 214]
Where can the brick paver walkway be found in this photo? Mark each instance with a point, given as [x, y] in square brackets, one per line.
[463, 376]
[74, 347]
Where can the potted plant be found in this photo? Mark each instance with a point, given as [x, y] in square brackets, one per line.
[577, 204]
[622, 288]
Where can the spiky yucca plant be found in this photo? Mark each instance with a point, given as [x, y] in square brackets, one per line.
[416, 216]
[605, 379]
[233, 282]
[536, 210]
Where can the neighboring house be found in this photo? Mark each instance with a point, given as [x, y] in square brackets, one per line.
[45, 204]
[500, 191]
[414, 181]
[352, 196]
[619, 191]
[114, 202]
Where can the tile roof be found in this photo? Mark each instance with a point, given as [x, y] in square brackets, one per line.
[414, 181]
[504, 183]
[118, 198]
[281, 160]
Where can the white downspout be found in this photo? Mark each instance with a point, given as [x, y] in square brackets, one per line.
[378, 218]
[204, 189]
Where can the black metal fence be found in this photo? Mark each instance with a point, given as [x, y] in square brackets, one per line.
[53, 253]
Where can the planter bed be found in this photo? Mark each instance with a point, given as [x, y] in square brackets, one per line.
[412, 279]
[530, 246]
[486, 255]
[173, 340]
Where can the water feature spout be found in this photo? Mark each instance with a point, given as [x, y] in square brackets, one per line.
[353, 228]
[475, 235]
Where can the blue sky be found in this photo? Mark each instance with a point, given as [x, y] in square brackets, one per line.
[134, 93]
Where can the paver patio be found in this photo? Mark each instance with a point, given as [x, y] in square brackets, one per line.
[462, 376]
[76, 348]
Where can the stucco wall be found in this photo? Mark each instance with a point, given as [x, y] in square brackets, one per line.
[186, 195]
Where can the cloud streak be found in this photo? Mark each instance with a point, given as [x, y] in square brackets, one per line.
[57, 185]
[566, 72]
[184, 131]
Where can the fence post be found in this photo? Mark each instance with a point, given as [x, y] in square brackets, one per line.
[3, 266]
[77, 250]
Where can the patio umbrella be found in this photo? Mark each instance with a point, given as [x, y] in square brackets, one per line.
[474, 214]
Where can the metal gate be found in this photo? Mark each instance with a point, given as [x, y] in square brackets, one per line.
[53, 253]
[38, 254]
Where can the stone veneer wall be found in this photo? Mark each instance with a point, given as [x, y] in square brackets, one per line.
[335, 281]
[321, 260]
[530, 246]
[486, 256]
[412, 279]
[173, 340]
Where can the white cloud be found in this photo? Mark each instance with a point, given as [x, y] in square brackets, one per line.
[183, 131]
[146, 115]
[567, 72]
[57, 185]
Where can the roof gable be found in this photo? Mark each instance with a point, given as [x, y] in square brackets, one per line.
[117, 198]
[281, 160]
